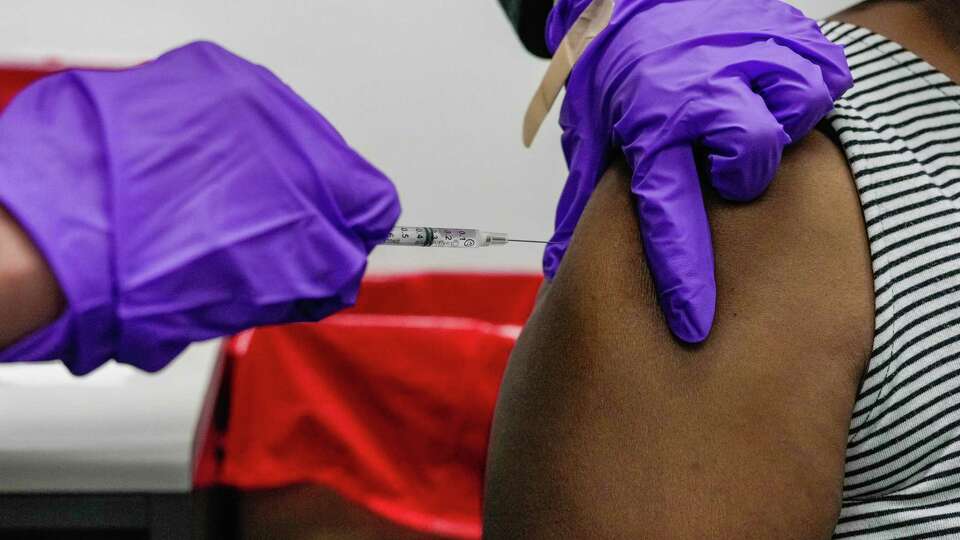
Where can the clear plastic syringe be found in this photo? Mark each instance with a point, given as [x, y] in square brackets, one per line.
[444, 237]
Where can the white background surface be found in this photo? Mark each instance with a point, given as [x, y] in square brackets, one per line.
[431, 91]
[116, 430]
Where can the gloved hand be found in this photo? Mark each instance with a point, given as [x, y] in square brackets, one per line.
[184, 199]
[677, 84]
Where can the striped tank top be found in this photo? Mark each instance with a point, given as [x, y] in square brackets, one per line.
[899, 127]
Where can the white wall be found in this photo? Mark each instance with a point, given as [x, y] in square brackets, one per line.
[431, 91]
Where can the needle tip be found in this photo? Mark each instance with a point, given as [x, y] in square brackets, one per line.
[528, 241]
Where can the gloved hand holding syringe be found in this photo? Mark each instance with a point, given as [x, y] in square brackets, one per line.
[446, 237]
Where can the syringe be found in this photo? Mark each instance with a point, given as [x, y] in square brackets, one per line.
[444, 237]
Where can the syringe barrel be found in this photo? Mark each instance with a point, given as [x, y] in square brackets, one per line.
[443, 237]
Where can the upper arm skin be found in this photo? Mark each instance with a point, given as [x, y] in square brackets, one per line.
[30, 296]
[606, 427]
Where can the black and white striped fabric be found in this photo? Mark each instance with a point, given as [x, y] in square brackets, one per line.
[900, 129]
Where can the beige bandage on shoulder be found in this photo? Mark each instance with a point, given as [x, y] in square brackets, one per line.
[590, 23]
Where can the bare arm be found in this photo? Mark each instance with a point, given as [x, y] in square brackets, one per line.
[607, 427]
[30, 296]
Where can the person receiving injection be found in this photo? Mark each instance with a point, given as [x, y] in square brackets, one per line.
[197, 195]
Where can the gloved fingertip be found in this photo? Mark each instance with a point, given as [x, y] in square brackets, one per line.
[735, 186]
[744, 175]
[845, 83]
[552, 255]
[690, 314]
[376, 232]
[837, 75]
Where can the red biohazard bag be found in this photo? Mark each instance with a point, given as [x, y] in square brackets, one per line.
[389, 403]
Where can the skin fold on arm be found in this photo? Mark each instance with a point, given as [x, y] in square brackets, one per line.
[606, 427]
[30, 296]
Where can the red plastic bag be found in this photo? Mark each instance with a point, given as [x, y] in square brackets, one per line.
[389, 403]
[14, 78]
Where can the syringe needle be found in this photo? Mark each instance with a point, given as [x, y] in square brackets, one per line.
[529, 241]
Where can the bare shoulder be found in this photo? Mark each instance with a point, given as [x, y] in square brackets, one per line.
[743, 436]
[803, 246]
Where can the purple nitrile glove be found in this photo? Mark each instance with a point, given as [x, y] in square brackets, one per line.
[187, 198]
[673, 82]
